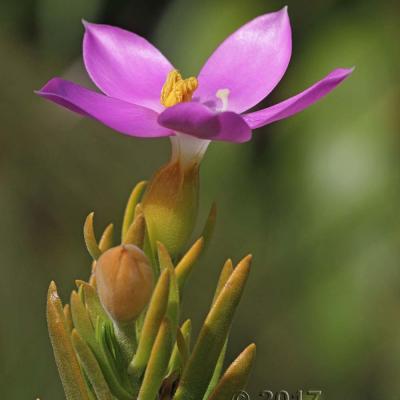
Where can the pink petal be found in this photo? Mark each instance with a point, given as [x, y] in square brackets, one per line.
[299, 102]
[130, 119]
[125, 65]
[249, 63]
[198, 120]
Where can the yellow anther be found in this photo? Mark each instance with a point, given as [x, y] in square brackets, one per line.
[177, 90]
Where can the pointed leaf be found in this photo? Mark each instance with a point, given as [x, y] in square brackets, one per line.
[183, 341]
[94, 339]
[217, 370]
[67, 363]
[130, 207]
[151, 325]
[79, 282]
[80, 290]
[164, 258]
[105, 358]
[209, 227]
[173, 307]
[90, 237]
[91, 367]
[186, 264]
[109, 345]
[187, 334]
[81, 320]
[92, 279]
[106, 240]
[235, 378]
[180, 353]
[158, 362]
[149, 250]
[68, 318]
[226, 272]
[93, 305]
[200, 367]
[136, 232]
[139, 323]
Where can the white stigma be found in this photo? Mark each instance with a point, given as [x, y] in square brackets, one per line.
[223, 95]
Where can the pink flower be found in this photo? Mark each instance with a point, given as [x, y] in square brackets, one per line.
[240, 73]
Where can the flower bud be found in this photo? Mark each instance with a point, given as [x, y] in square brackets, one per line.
[124, 282]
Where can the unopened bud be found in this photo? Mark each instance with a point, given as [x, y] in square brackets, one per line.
[124, 282]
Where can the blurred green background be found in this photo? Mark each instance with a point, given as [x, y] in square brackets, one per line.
[315, 198]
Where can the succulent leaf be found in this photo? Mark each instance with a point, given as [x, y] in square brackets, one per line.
[105, 357]
[217, 370]
[158, 362]
[226, 272]
[67, 363]
[198, 372]
[68, 318]
[151, 325]
[106, 240]
[131, 205]
[91, 367]
[181, 351]
[95, 339]
[183, 342]
[93, 305]
[173, 307]
[186, 264]
[136, 232]
[90, 237]
[235, 378]
[81, 320]
[209, 227]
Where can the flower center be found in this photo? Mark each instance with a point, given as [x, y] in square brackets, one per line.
[177, 90]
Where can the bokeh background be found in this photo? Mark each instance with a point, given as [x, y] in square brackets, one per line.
[315, 198]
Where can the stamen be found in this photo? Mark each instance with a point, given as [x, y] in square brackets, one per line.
[177, 90]
[223, 95]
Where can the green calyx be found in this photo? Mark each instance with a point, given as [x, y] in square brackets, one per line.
[170, 205]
